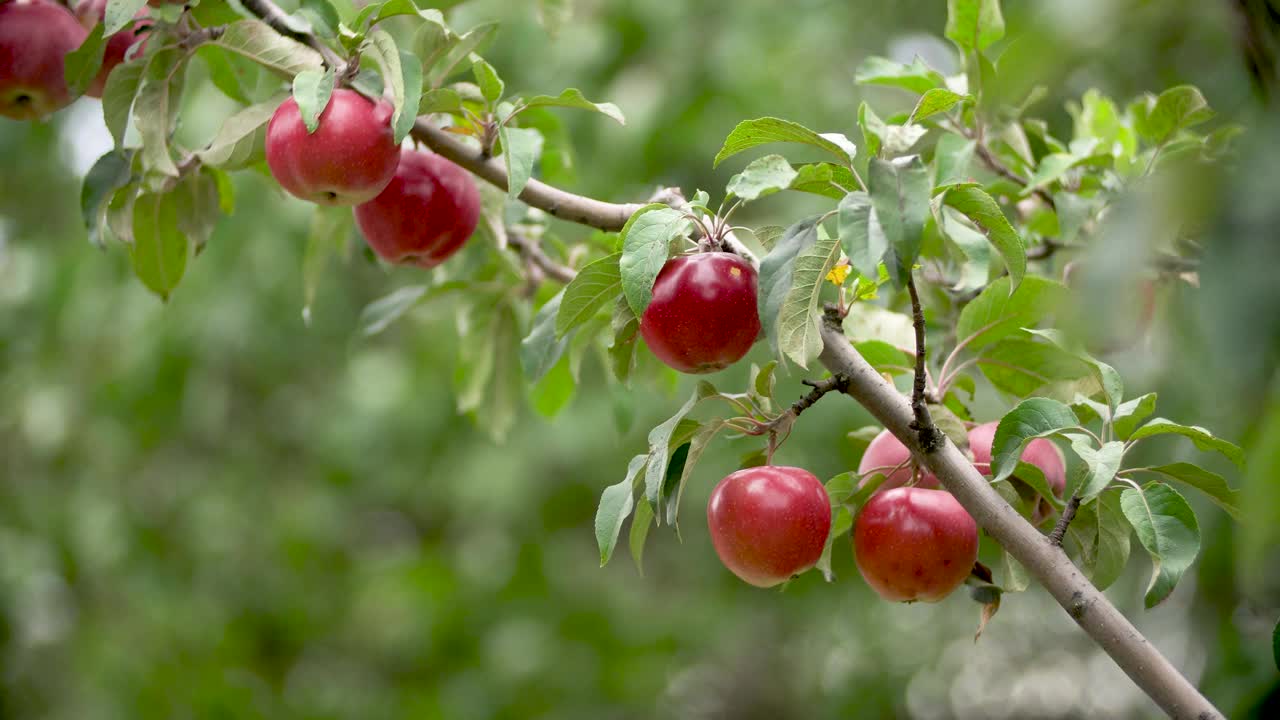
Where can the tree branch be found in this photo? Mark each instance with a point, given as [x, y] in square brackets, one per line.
[1068, 514]
[835, 383]
[533, 252]
[999, 168]
[928, 435]
[278, 19]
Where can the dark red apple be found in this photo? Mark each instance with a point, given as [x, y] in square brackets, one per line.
[769, 523]
[35, 37]
[883, 455]
[1039, 452]
[349, 159]
[914, 544]
[90, 13]
[425, 215]
[703, 314]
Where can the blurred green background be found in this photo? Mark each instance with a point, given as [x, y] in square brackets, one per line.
[210, 510]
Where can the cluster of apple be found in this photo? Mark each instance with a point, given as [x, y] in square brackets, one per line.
[910, 541]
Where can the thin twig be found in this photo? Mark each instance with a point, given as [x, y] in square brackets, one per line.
[930, 436]
[278, 19]
[835, 383]
[532, 251]
[1068, 514]
[1003, 170]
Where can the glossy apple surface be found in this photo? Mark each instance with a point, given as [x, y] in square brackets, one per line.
[425, 214]
[914, 544]
[769, 523]
[90, 13]
[35, 37]
[883, 455]
[1039, 452]
[703, 314]
[349, 159]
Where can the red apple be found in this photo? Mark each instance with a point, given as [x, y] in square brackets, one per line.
[703, 314]
[425, 215]
[35, 37]
[769, 523]
[914, 544]
[90, 13]
[885, 453]
[349, 159]
[1039, 452]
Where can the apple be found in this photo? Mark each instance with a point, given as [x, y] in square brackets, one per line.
[769, 523]
[885, 453]
[910, 544]
[349, 159]
[424, 215]
[1039, 452]
[90, 13]
[35, 37]
[703, 314]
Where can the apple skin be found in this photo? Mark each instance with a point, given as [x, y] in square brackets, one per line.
[913, 544]
[703, 315]
[35, 37]
[90, 13]
[769, 523]
[349, 159]
[887, 451]
[1039, 452]
[424, 215]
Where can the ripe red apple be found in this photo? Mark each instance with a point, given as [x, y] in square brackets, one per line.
[425, 215]
[769, 523]
[1039, 452]
[35, 37]
[349, 159]
[90, 13]
[885, 453]
[914, 544]
[703, 314]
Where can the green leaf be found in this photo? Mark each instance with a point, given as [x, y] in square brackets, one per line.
[697, 444]
[900, 191]
[155, 109]
[440, 100]
[861, 237]
[81, 66]
[1108, 379]
[646, 242]
[761, 131]
[873, 129]
[916, 77]
[1176, 108]
[593, 286]
[491, 86]
[1100, 466]
[573, 98]
[1129, 415]
[616, 503]
[934, 101]
[1099, 535]
[1209, 483]
[640, 524]
[381, 313]
[974, 24]
[111, 172]
[330, 228]
[159, 250]
[312, 90]
[403, 76]
[239, 141]
[996, 314]
[520, 149]
[981, 208]
[119, 13]
[1052, 167]
[953, 157]
[764, 176]
[258, 42]
[825, 179]
[199, 206]
[884, 358]
[1032, 418]
[841, 523]
[1166, 526]
[622, 351]
[763, 382]
[552, 393]
[1021, 366]
[474, 40]
[118, 96]
[1202, 438]
[1014, 576]
[799, 318]
[659, 442]
[776, 270]
[542, 347]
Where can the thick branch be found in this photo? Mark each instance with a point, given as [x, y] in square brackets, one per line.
[1140, 660]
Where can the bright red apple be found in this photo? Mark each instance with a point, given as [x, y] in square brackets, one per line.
[35, 37]
[349, 159]
[914, 544]
[769, 523]
[883, 455]
[703, 314]
[1039, 452]
[425, 215]
[90, 13]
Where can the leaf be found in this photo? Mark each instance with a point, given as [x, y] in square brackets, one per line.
[542, 347]
[199, 206]
[640, 524]
[697, 444]
[761, 131]
[1209, 483]
[440, 100]
[1032, 418]
[312, 90]
[861, 237]
[616, 503]
[982, 209]
[934, 101]
[1202, 438]
[841, 523]
[622, 351]
[491, 86]
[884, 358]
[81, 66]
[119, 13]
[118, 96]
[1100, 466]
[155, 108]
[505, 392]
[1129, 415]
[109, 173]
[258, 42]
[873, 129]
[520, 148]
[1166, 526]
[952, 157]
[239, 140]
[646, 242]
[826, 179]
[776, 270]
[659, 440]
[900, 191]
[330, 228]
[799, 319]
[159, 250]
[1013, 576]
[593, 286]
[764, 176]
[872, 322]
[403, 76]
[573, 98]
[974, 24]
[916, 77]
[1100, 534]
[1176, 108]
[1021, 366]
[381, 313]
[1108, 379]
[995, 313]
